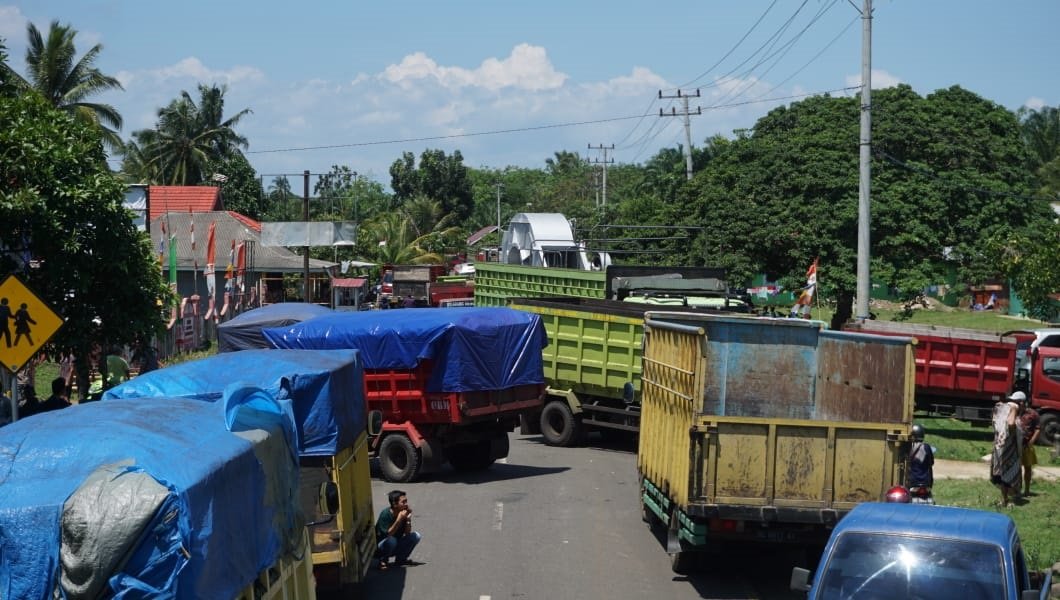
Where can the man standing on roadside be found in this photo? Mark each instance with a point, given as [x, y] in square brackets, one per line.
[1030, 428]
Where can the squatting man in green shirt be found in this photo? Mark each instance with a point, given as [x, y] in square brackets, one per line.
[394, 532]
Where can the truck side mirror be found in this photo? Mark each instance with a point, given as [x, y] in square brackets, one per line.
[375, 422]
[327, 503]
[800, 579]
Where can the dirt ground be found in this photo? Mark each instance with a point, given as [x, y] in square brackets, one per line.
[959, 469]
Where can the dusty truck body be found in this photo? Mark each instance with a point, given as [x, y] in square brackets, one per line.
[592, 366]
[964, 372]
[181, 499]
[451, 383]
[326, 392]
[770, 430]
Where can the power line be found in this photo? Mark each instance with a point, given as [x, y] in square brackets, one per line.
[533, 128]
[733, 49]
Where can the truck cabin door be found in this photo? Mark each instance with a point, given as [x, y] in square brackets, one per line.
[1045, 378]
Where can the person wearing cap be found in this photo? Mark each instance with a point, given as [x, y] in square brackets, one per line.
[1029, 427]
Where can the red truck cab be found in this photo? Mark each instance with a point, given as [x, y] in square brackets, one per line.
[1044, 377]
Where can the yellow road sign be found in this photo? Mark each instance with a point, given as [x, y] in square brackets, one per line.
[26, 323]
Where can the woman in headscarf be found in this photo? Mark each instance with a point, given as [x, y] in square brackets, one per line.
[1005, 458]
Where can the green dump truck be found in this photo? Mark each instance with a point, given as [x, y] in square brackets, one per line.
[594, 321]
[759, 429]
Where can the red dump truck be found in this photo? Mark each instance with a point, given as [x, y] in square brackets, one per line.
[964, 372]
[451, 382]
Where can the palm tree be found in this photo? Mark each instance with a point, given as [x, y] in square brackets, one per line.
[188, 136]
[1041, 132]
[67, 83]
[398, 243]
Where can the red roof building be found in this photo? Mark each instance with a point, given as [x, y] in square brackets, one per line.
[180, 198]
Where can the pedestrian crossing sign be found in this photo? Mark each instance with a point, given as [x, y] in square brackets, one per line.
[26, 323]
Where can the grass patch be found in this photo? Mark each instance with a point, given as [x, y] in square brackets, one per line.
[1035, 517]
[960, 440]
[984, 320]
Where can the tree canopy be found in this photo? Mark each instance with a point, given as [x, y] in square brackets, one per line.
[65, 232]
[438, 177]
[66, 82]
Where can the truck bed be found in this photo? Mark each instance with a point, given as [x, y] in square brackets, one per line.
[787, 422]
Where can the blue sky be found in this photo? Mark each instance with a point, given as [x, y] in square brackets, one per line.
[371, 81]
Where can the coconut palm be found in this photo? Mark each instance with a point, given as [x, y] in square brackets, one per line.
[188, 136]
[398, 242]
[66, 82]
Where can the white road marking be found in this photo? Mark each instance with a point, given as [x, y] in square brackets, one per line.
[498, 516]
[483, 598]
[503, 461]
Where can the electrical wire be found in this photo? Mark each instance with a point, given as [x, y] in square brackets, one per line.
[526, 129]
[733, 49]
[814, 59]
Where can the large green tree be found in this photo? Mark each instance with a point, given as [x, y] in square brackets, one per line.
[67, 82]
[439, 177]
[66, 234]
[187, 138]
[949, 171]
[240, 186]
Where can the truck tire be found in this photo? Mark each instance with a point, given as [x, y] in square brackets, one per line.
[1050, 425]
[399, 459]
[470, 457]
[559, 426]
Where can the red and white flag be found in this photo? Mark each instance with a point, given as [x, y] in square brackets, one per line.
[210, 272]
[194, 258]
[802, 304]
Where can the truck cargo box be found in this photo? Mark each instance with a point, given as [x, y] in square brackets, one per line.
[176, 499]
[959, 371]
[768, 429]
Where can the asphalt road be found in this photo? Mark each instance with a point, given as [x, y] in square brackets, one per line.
[556, 523]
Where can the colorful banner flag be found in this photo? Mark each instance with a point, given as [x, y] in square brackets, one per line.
[194, 258]
[173, 260]
[802, 304]
[211, 283]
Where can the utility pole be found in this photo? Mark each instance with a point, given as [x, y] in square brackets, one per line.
[864, 285]
[688, 124]
[499, 187]
[305, 249]
[604, 162]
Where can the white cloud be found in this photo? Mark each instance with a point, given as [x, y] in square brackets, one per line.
[12, 25]
[192, 69]
[880, 79]
[527, 68]
[1034, 103]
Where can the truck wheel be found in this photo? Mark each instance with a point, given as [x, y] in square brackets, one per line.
[470, 457]
[559, 426]
[682, 562]
[399, 459]
[1050, 425]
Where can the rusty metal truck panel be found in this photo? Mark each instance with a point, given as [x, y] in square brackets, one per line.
[779, 419]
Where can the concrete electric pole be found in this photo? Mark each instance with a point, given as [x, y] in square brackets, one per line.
[864, 283]
[688, 124]
[604, 162]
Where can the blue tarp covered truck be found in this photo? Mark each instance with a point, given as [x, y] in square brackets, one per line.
[182, 499]
[451, 382]
[326, 392]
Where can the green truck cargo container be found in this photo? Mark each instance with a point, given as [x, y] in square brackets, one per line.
[496, 284]
[759, 429]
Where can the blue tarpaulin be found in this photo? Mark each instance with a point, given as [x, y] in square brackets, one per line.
[224, 512]
[471, 348]
[325, 388]
[244, 331]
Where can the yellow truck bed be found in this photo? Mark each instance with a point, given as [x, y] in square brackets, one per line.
[749, 425]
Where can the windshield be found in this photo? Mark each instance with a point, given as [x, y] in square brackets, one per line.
[867, 566]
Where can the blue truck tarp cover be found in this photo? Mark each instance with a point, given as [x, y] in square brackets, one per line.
[325, 388]
[244, 331]
[472, 349]
[218, 510]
